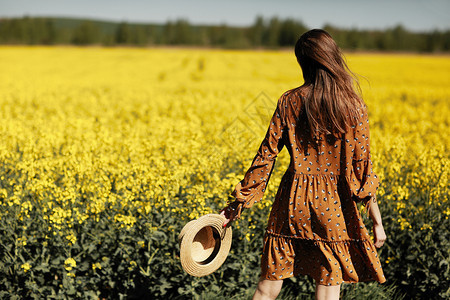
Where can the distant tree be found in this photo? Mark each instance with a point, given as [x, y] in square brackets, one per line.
[108, 40]
[86, 33]
[333, 31]
[168, 33]
[236, 38]
[123, 34]
[446, 41]
[16, 31]
[50, 36]
[27, 30]
[23, 31]
[337, 35]
[434, 41]
[273, 33]
[152, 34]
[290, 31]
[263, 33]
[139, 36]
[218, 35]
[388, 41]
[353, 39]
[400, 37]
[378, 41]
[200, 36]
[256, 32]
[40, 31]
[182, 34]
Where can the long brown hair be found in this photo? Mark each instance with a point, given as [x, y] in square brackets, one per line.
[333, 104]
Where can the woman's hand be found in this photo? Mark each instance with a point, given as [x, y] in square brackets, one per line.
[231, 213]
[379, 235]
[375, 215]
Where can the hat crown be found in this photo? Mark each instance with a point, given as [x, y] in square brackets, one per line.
[204, 245]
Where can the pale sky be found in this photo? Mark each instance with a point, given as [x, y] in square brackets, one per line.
[416, 15]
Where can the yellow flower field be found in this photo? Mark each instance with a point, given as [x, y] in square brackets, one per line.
[140, 141]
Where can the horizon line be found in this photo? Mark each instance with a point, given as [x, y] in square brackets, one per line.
[141, 22]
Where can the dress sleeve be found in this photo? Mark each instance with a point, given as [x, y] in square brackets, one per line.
[250, 190]
[364, 182]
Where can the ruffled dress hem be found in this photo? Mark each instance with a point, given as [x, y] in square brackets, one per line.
[327, 262]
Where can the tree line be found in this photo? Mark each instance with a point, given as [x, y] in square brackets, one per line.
[263, 33]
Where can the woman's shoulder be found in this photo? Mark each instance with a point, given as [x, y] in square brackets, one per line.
[290, 101]
[297, 91]
[296, 94]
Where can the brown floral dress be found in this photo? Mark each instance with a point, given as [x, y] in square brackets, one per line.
[314, 227]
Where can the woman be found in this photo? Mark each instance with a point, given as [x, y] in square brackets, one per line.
[315, 227]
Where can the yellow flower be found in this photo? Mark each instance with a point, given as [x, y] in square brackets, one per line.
[404, 223]
[96, 266]
[69, 264]
[127, 221]
[132, 266]
[22, 241]
[26, 267]
[72, 239]
[3, 193]
[247, 237]
[426, 226]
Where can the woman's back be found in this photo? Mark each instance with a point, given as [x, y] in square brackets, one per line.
[324, 166]
[326, 154]
[314, 211]
[314, 227]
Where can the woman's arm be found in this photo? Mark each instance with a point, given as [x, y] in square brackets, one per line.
[375, 215]
[250, 190]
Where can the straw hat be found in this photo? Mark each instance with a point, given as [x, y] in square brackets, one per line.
[204, 245]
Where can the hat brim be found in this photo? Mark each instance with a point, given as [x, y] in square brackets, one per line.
[201, 259]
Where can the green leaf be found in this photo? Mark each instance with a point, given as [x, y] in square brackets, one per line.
[411, 257]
